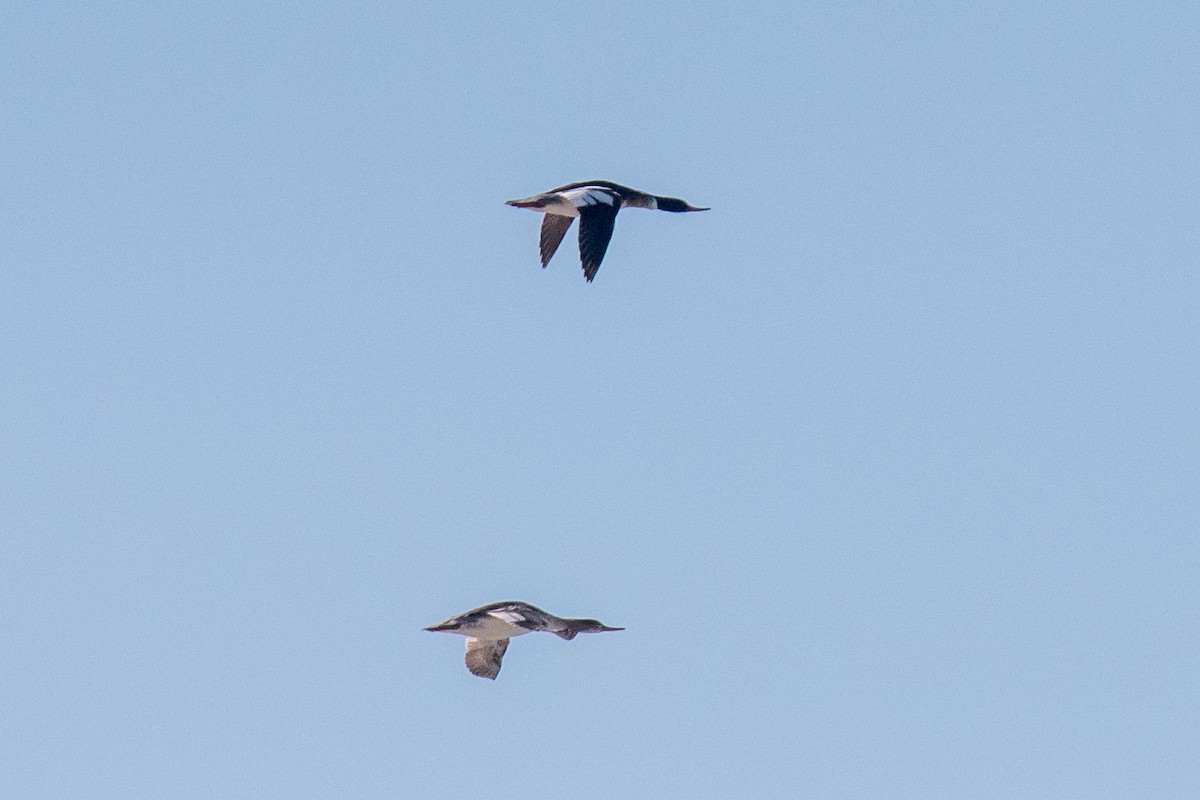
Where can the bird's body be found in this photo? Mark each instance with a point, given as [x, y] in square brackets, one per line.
[488, 629]
[596, 203]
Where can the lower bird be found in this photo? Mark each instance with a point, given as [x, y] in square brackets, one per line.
[488, 629]
[596, 203]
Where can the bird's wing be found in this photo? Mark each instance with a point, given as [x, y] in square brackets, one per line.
[554, 228]
[595, 230]
[484, 655]
[587, 195]
[513, 615]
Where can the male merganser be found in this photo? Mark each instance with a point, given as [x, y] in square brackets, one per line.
[596, 203]
[488, 629]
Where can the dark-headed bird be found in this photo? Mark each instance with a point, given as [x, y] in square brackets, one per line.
[488, 629]
[596, 203]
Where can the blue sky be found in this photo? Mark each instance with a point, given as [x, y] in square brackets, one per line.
[889, 464]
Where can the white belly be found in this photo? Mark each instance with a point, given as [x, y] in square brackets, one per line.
[492, 628]
[560, 208]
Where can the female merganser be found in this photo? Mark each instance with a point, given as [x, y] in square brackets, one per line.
[488, 629]
[596, 203]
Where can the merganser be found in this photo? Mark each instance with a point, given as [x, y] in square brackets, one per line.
[596, 203]
[488, 629]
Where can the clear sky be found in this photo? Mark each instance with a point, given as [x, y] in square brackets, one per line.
[889, 464]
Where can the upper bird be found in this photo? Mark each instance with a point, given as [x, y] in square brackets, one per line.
[488, 629]
[596, 203]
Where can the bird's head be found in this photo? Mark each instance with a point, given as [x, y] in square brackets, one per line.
[675, 204]
[592, 626]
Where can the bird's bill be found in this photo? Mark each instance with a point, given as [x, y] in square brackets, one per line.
[696, 208]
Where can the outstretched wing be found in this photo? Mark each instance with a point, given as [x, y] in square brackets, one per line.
[595, 230]
[484, 656]
[554, 228]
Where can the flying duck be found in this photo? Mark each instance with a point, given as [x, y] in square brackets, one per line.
[488, 629]
[596, 203]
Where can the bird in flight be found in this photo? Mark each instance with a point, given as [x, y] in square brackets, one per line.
[596, 203]
[488, 629]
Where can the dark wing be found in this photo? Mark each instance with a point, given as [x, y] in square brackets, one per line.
[554, 228]
[595, 230]
[615, 188]
[483, 656]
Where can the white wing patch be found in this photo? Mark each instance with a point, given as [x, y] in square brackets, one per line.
[589, 196]
[512, 617]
